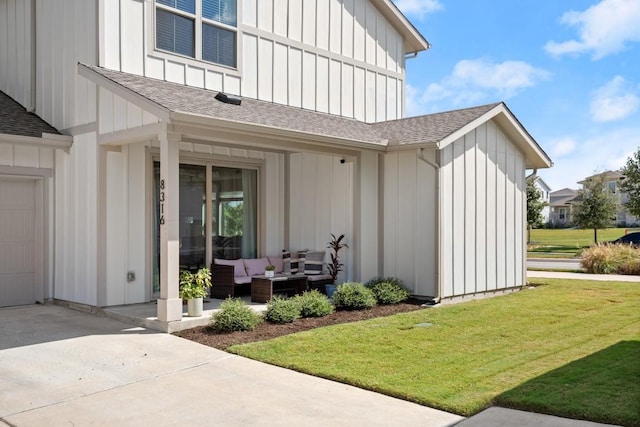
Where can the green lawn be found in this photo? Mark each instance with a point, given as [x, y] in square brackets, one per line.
[569, 242]
[569, 348]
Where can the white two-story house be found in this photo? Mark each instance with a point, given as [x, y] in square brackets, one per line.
[190, 129]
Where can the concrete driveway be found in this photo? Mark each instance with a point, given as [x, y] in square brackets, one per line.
[63, 367]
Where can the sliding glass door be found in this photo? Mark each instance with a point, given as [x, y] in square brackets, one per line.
[229, 212]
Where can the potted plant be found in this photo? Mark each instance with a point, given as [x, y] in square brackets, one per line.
[269, 270]
[193, 288]
[335, 266]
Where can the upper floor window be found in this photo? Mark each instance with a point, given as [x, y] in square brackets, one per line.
[201, 29]
[612, 186]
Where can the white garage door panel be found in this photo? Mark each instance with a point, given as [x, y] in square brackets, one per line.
[17, 242]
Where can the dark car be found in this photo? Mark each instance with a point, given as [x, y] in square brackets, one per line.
[629, 239]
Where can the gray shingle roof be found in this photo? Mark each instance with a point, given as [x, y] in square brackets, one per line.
[15, 120]
[431, 127]
[192, 100]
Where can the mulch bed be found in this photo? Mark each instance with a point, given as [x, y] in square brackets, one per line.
[207, 336]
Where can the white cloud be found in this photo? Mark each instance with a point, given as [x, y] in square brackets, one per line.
[563, 147]
[603, 29]
[473, 81]
[590, 154]
[614, 101]
[418, 8]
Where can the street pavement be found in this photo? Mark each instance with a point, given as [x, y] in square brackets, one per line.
[554, 263]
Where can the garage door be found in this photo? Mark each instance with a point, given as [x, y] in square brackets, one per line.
[17, 241]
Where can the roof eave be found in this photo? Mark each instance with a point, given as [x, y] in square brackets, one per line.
[535, 157]
[177, 117]
[413, 39]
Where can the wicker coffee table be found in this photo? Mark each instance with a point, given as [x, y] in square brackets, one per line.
[263, 288]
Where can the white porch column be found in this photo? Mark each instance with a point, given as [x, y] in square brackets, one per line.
[169, 304]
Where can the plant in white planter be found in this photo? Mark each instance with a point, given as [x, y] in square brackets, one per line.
[269, 270]
[193, 288]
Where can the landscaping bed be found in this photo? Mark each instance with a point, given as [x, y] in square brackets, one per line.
[207, 336]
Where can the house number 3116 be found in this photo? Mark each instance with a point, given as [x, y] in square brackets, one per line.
[162, 202]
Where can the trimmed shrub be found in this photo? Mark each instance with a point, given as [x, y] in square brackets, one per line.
[354, 296]
[388, 291]
[282, 310]
[611, 259]
[314, 304]
[234, 315]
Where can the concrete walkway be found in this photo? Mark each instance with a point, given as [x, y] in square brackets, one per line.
[60, 367]
[582, 276]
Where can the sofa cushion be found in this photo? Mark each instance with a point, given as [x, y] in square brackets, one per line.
[244, 280]
[289, 265]
[276, 261]
[302, 255]
[313, 263]
[255, 266]
[237, 264]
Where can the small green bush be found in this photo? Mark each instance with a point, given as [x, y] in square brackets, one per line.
[611, 259]
[314, 304]
[388, 290]
[354, 296]
[282, 310]
[234, 315]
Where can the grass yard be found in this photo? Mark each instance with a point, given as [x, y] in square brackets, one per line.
[569, 242]
[568, 348]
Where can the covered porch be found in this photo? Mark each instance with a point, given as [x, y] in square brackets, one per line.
[314, 175]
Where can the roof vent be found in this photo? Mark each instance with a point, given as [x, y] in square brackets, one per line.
[227, 99]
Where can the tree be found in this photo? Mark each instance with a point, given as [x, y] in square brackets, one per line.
[631, 183]
[535, 205]
[595, 206]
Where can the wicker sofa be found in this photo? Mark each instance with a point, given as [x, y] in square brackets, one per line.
[233, 277]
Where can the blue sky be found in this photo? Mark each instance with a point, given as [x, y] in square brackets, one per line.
[569, 70]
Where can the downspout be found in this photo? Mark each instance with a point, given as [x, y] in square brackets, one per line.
[420, 153]
[533, 174]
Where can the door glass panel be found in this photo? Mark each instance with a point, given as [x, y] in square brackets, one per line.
[234, 216]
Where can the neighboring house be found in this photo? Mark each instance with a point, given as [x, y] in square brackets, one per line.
[156, 170]
[560, 207]
[612, 180]
[545, 192]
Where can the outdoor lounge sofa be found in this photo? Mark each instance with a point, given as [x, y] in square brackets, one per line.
[233, 277]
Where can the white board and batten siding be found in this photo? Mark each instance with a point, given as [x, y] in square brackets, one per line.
[410, 221]
[483, 213]
[16, 51]
[321, 192]
[65, 36]
[322, 50]
[336, 56]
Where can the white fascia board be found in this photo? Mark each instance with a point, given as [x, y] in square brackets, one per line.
[414, 146]
[535, 157]
[132, 135]
[179, 118]
[156, 109]
[414, 41]
[48, 140]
